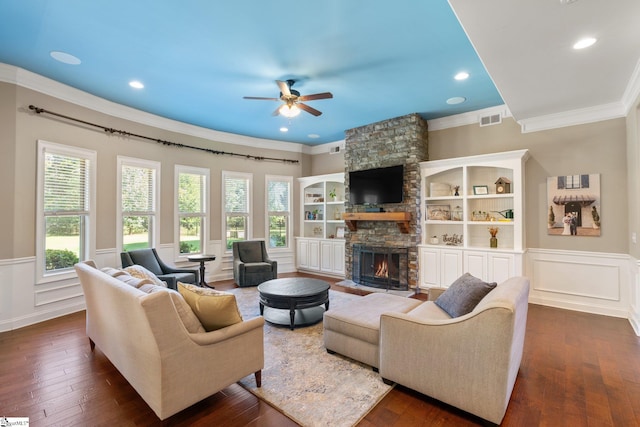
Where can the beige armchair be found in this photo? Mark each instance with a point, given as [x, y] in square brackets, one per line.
[470, 362]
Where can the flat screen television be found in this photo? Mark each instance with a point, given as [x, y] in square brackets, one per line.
[376, 186]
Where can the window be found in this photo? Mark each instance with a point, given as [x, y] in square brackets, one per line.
[139, 193]
[573, 182]
[236, 194]
[192, 209]
[66, 209]
[278, 225]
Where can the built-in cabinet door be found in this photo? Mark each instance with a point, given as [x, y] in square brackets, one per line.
[475, 263]
[326, 252]
[501, 267]
[314, 255]
[302, 253]
[451, 267]
[337, 256]
[429, 267]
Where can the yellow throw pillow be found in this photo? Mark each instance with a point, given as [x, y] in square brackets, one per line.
[214, 309]
[142, 273]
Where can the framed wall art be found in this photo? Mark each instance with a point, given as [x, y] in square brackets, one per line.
[573, 205]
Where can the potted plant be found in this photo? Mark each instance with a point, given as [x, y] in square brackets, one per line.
[333, 194]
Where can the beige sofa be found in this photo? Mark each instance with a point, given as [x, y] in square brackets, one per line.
[470, 362]
[146, 339]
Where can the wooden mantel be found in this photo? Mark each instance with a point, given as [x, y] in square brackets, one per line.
[400, 218]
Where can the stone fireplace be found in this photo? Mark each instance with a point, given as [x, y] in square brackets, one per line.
[402, 140]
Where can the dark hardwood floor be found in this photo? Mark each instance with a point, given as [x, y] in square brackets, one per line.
[578, 370]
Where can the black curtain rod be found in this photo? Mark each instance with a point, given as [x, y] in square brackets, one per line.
[159, 141]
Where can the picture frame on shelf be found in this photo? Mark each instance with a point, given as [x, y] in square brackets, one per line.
[439, 212]
[340, 232]
[480, 190]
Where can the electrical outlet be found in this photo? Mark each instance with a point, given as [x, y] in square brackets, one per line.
[633, 237]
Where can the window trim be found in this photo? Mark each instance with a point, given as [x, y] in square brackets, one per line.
[138, 163]
[89, 236]
[249, 215]
[204, 244]
[289, 213]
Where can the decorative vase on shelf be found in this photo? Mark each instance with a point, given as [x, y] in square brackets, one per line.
[493, 241]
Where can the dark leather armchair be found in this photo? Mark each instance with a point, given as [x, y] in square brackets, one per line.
[148, 258]
[251, 263]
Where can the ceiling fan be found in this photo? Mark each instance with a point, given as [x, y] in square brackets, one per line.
[292, 100]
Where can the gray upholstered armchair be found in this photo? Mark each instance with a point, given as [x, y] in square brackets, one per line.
[148, 258]
[251, 263]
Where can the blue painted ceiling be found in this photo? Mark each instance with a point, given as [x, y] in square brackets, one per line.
[197, 59]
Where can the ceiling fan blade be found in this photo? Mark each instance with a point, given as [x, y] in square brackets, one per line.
[276, 112]
[261, 98]
[284, 88]
[323, 95]
[308, 109]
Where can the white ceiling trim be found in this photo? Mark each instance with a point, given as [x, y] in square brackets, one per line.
[632, 92]
[581, 116]
[38, 83]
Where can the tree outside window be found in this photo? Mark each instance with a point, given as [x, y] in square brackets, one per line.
[236, 195]
[278, 207]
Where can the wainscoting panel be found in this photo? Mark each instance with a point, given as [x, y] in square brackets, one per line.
[634, 317]
[593, 282]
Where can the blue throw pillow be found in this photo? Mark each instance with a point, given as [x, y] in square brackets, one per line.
[463, 295]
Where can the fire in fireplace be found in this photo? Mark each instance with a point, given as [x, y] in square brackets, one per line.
[381, 267]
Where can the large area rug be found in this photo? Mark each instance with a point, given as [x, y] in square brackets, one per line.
[302, 380]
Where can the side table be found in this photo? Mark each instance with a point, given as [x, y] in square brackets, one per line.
[202, 259]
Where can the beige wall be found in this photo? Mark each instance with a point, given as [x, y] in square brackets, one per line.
[592, 148]
[327, 163]
[30, 127]
[7, 165]
[633, 176]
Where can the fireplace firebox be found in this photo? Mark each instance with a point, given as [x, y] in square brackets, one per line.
[381, 267]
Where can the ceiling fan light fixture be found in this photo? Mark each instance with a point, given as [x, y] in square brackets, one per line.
[289, 111]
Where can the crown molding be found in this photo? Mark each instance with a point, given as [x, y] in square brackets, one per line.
[581, 116]
[632, 91]
[46, 86]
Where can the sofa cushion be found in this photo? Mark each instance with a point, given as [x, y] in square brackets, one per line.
[361, 318]
[189, 319]
[250, 251]
[463, 295]
[142, 273]
[428, 310]
[214, 309]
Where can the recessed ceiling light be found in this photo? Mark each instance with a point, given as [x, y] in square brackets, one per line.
[456, 100]
[313, 135]
[64, 57]
[284, 129]
[462, 75]
[584, 43]
[136, 84]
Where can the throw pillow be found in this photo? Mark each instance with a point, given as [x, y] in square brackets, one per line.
[463, 295]
[215, 309]
[142, 273]
[189, 319]
[136, 282]
[113, 272]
